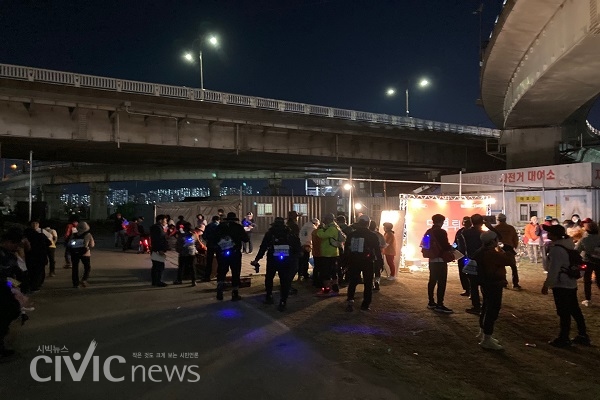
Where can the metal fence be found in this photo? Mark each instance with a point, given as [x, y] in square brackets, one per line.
[210, 96]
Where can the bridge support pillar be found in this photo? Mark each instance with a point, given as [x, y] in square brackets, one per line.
[532, 147]
[98, 202]
[215, 187]
[51, 195]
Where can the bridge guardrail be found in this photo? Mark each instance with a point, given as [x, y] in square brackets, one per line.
[182, 92]
[592, 130]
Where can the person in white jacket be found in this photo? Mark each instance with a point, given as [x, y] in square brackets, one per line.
[306, 242]
[564, 288]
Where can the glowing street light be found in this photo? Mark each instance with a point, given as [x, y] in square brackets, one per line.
[347, 186]
[422, 83]
[189, 57]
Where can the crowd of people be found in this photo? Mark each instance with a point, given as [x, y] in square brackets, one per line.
[567, 253]
[341, 255]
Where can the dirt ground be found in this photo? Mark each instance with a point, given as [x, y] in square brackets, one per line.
[438, 355]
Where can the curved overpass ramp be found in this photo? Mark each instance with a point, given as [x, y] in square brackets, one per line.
[542, 65]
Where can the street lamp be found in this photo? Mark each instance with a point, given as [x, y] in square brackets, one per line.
[189, 57]
[422, 83]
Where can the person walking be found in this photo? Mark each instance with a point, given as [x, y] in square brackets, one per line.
[159, 246]
[230, 236]
[80, 245]
[564, 288]
[587, 245]
[459, 242]
[361, 251]
[438, 268]
[282, 248]
[69, 230]
[510, 239]
[491, 271]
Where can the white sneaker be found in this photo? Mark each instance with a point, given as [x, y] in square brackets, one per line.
[391, 278]
[489, 343]
[586, 303]
[480, 336]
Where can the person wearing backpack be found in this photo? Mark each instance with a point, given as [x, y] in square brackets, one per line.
[283, 250]
[80, 244]
[564, 287]
[589, 246]
[361, 252]
[229, 238]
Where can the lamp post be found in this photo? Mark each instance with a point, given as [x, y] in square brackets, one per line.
[213, 41]
[422, 83]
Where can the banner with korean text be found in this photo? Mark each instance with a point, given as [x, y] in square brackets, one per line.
[418, 220]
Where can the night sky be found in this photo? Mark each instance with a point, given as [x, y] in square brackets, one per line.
[339, 53]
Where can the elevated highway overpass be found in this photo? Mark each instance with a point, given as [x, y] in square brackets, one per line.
[81, 118]
[539, 77]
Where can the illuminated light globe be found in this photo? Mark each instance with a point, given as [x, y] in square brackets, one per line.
[347, 186]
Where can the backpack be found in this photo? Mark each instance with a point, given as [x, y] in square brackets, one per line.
[576, 264]
[226, 244]
[428, 249]
[76, 244]
[281, 246]
[189, 246]
[341, 239]
[594, 256]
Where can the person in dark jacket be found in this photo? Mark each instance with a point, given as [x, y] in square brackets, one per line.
[230, 236]
[282, 249]
[159, 245]
[10, 309]
[461, 246]
[491, 272]
[438, 268]
[472, 240]
[361, 251]
[210, 237]
[36, 257]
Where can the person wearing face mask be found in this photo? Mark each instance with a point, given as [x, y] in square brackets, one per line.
[575, 229]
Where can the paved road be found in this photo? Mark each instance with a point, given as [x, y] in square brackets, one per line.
[238, 350]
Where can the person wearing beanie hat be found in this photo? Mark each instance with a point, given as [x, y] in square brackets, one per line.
[361, 251]
[80, 244]
[229, 238]
[564, 288]
[510, 239]
[282, 248]
[491, 272]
